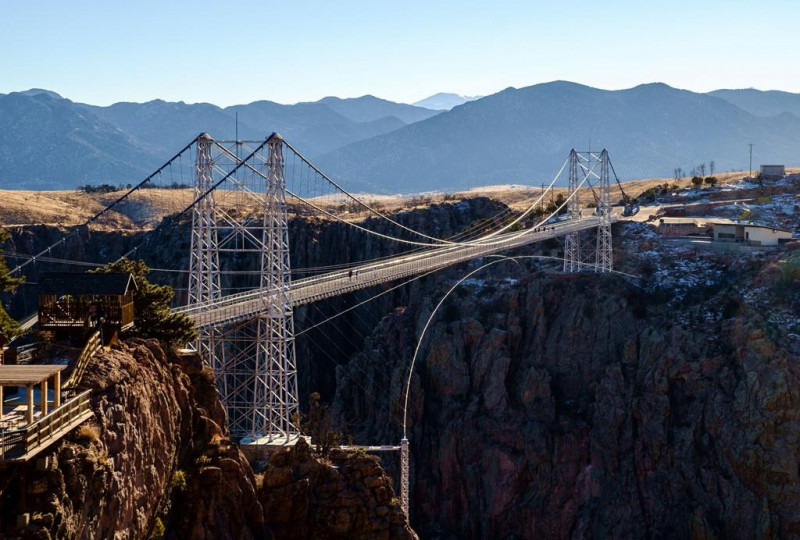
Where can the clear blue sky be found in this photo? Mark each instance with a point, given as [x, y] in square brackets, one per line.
[101, 52]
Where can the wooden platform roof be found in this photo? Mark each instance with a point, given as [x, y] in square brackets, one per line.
[27, 374]
[77, 283]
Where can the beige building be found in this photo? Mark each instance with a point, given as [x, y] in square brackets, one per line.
[773, 172]
[750, 234]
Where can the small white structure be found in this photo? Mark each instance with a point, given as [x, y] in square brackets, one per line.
[750, 234]
[683, 226]
[773, 172]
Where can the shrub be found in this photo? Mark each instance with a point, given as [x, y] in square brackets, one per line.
[178, 481]
[159, 530]
[89, 433]
[7, 325]
[320, 426]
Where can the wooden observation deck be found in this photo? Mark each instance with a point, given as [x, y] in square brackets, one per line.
[28, 428]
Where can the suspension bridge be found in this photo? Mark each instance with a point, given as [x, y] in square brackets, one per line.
[239, 196]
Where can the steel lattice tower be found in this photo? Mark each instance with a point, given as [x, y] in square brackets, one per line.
[204, 277]
[253, 360]
[275, 391]
[404, 476]
[582, 252]
[604, 259]
[573, 260]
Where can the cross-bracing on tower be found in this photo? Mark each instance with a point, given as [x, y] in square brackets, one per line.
[584, 250]
[253, 359]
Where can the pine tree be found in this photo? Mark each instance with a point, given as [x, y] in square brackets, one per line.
[8, 326]
[152, 316]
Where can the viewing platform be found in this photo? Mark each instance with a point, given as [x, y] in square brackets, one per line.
[29, 425]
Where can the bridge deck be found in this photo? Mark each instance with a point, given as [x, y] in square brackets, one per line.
[242, 306]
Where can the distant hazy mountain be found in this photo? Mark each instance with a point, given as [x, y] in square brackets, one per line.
[524, 136]
[123, 142]
[47, 142]
[444, 101]
[370, 108]
[762, 103]
[514, 136]
[37, 91]
[314, 128]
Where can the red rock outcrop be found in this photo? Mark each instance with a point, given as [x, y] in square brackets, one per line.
[348, 497]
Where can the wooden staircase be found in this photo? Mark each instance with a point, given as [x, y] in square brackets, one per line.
[92, 346]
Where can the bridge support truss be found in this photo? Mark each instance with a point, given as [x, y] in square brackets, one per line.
[275, 404]
[404, 476]
[253, 360]
[204, 274]
[584, 250]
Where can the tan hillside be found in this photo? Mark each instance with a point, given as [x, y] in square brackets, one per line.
[145, 207]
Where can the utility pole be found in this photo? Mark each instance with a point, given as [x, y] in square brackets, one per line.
[542, 205]
[751, 159]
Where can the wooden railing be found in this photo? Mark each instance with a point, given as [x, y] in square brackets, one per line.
[25, 354]
[89, 350]
[12, 442]
[25, 442]
[72, 314]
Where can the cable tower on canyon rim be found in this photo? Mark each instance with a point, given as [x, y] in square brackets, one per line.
[253, 360]
[581, 250]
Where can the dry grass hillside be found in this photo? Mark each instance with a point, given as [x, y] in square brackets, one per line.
[146, 207]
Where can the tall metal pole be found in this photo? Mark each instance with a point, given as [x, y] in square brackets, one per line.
[604, 260]
[404, 476]
[572, 244]
[204, 275]
[275, 401]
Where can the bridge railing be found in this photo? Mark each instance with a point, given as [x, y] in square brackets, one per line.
[88, 352]
[26, 354]
[18, 443]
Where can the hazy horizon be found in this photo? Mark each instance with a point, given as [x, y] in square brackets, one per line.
[102, 53]
[53, 90]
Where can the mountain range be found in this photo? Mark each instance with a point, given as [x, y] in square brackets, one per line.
[444, 101]
[369, 144]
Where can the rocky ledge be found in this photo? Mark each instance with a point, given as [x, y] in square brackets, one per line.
[155, 462]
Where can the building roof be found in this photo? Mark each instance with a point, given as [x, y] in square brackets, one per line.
[27, 374]
[750, 225]
[75, 283]
[698, 222]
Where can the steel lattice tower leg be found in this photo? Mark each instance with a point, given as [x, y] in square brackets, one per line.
[275, 383]
[404, 476]
[204, 277]
[604, 260]
[572, 242]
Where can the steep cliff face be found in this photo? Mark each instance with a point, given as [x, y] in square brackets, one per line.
[549, 406]
[154, 445]
[156, 461]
